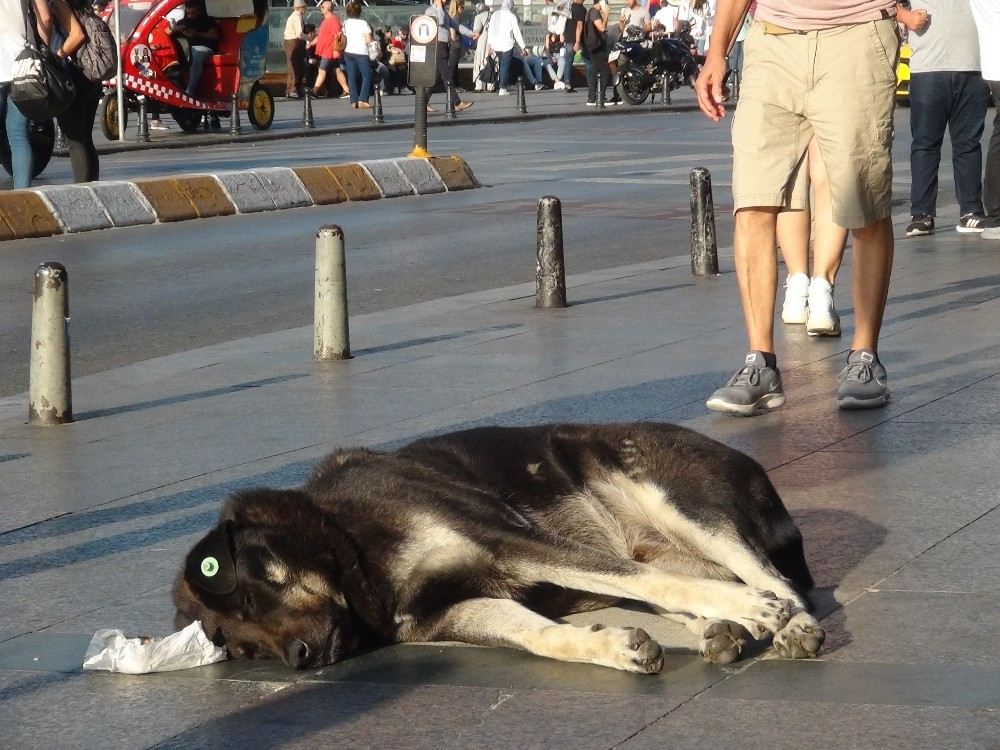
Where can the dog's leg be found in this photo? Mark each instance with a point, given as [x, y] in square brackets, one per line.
[801, 637]
[503, 622]
[759, 611]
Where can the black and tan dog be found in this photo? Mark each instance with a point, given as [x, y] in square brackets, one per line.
[484, 535]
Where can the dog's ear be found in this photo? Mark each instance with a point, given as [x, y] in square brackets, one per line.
[210, 566]
[581, 456]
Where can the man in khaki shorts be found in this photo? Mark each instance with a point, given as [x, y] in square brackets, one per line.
[825, 69]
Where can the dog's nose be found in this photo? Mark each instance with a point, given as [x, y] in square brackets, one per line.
[296, 653]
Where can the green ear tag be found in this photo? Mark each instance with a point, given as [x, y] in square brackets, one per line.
[209, 567]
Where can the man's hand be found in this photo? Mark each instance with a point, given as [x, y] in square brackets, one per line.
[710, 89]
[914, 20]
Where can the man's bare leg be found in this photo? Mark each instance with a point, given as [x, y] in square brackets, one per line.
[755, 256]
[873, 251]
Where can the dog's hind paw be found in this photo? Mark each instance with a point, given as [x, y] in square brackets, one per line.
[641, 653]
[801, 638]
[722, 641]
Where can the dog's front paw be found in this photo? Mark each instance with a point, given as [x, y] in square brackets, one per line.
[762, 612]
[722, 641]
[801, 638]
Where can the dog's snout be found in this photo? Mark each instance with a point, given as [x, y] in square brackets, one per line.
[297, 653]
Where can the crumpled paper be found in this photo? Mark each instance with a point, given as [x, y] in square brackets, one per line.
[111, 651]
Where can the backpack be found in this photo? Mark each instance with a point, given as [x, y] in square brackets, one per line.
[340, 42]
[98, 57]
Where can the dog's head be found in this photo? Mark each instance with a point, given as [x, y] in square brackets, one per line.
[268, 581]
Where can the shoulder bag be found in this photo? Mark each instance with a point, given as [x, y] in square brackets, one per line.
[41, 87]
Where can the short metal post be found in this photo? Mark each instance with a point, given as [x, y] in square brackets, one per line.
[206, 121]
[331, 339]
[666, 90]
[600, 90]
[377, 117]
[550, 271]
[522, 107]
[420, 123]
[142, 127]
[234, 116]
[49, 398]
[449, 105]
[60, 142]
[704, 248]
[307, 111]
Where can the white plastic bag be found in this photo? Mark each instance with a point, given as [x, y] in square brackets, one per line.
[111, 651]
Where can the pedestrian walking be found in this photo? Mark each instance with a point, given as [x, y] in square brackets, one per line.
[330, 58]
[447, 24]
[840, 61]
[356, 56]
[947, 92]
[294, 42]
[504, 38]
[12, 41]
[595, 52]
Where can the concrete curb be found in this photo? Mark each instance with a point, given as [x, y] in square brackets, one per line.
[66, 209]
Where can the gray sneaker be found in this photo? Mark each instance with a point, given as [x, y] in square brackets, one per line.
[754, 389]
[863, 383]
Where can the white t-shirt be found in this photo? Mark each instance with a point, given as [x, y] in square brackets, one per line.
[11, 38]
[293, 26]
[637, 16]
[949, 43]
[355, 30]
[987, 16]
[667, 14]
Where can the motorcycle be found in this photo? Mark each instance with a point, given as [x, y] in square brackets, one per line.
[155, 63]
[645, 63]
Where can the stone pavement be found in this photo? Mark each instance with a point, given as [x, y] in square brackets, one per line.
[899, 509]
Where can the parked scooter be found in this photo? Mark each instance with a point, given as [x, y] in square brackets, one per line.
[644, 63]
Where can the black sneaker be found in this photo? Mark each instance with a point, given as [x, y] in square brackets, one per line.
[920, 226]
[971, 223]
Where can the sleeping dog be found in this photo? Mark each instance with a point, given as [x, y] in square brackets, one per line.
[485, 536]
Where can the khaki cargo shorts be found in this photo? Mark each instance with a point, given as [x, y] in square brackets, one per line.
[837, 85]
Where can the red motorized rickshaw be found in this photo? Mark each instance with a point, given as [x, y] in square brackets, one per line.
[155, 64]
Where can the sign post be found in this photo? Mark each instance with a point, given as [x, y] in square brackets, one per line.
[421, 74]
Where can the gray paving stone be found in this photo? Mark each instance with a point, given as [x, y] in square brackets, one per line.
[246, 192]
[785, 725]
[389, 177]
[124, 204]
[421, 175]
[360, 715]
[940, 628]
[283, 186]
[76, 207]
[53, 711]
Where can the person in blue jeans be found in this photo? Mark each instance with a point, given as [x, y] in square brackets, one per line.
[16, 124]
[357, 63]
[947, 91]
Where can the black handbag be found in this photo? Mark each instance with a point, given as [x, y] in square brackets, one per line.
[42, 87]
[489, 72]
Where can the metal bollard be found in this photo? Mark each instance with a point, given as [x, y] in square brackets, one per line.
[331, 339]
[704, 248]
[377, 117]
[522, 107]
[206, 121]
[449, 105]
[234, 116]
[142, 127]
[600, 91]
[307, 111]
[666, 90]
[59, 144]
[49, 398]
[550, 271]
